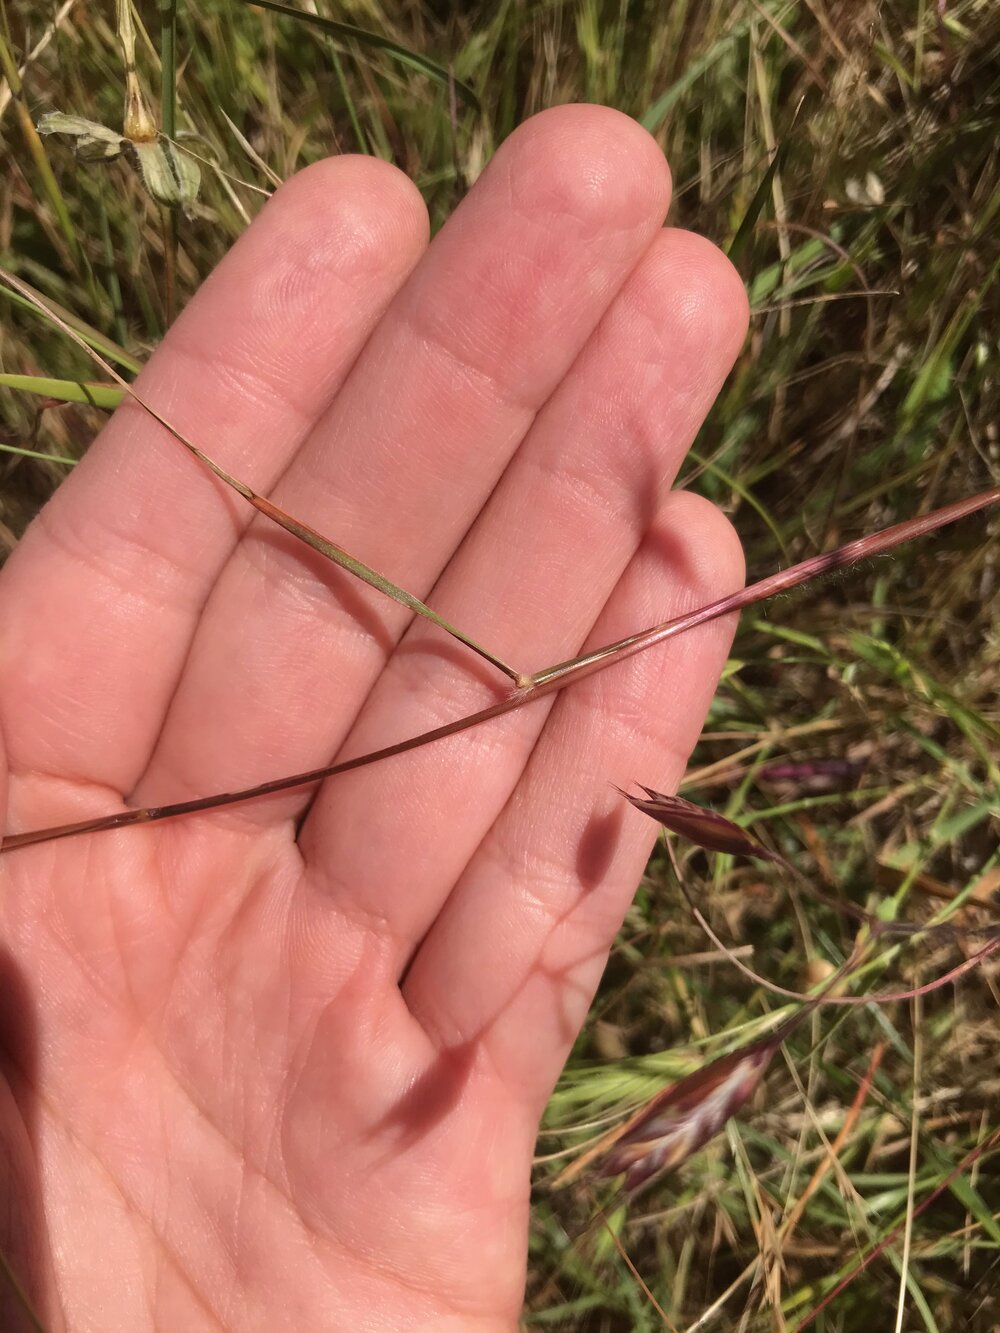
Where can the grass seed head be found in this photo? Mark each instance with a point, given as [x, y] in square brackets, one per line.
[687, 1115]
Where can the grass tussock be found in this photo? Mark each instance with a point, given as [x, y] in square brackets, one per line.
[845, 151]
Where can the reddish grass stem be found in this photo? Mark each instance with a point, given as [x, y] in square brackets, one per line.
[551, 678]
[986, 1146]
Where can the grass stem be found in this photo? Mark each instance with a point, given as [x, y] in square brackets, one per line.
[543, 682]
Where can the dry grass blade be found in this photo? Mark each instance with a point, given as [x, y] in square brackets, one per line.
[968, 1160]
[316, 540]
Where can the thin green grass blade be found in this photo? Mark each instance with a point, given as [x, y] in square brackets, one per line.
[39, 457]
[423, 64]
[652, 118]
[934, 376]
[970, 1198]
[106, 396]
[95, 340]
[744, 232]
[360, 570]
[345, 92]
[250, 151]
[36, 149]
[168, 67]
[744, 493]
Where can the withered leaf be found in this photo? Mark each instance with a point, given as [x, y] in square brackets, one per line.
[91, 141]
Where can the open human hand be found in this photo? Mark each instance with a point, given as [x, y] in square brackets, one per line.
[280, 1066]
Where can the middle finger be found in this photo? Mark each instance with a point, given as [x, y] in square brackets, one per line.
[543, 558]
[409, 451]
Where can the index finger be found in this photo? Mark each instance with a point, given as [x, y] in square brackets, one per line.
[114, 573]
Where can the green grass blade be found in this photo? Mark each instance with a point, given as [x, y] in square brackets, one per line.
[970, 1198]
[358, 568]
[107, 396]
[168, 67]
[39, 457]
[743, 492]
[95, 340]
[423, 64]
[664, 104]
[744, 231]
[36, 149]
[934, 377]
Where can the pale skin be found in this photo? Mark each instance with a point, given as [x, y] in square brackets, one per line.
[281, 1066]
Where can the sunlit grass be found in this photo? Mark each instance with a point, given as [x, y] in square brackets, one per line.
[867, 391]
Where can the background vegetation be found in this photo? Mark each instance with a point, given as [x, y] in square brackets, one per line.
[857, 726]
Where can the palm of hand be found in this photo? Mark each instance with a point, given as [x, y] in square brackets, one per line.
[282, 1065]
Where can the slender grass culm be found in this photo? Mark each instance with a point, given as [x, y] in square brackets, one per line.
[781, 1112]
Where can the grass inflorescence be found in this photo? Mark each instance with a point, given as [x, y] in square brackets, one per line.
[845, 154]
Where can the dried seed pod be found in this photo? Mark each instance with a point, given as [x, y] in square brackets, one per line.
[170, 175]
